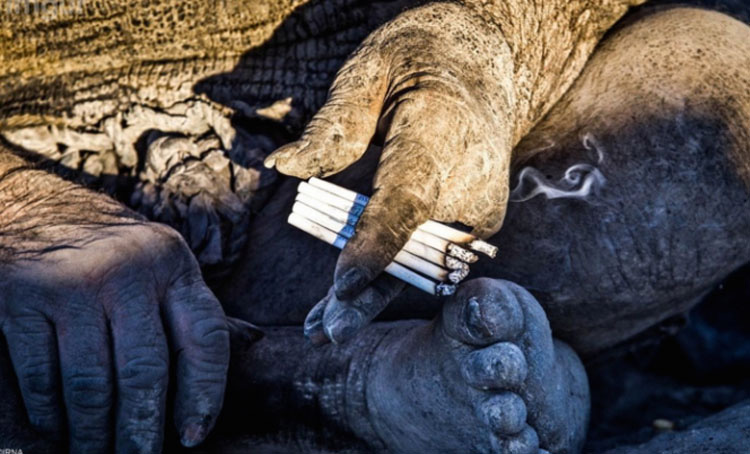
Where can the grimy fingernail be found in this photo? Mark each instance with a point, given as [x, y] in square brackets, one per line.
[195, 432]
[270, 162]
[343, 326]
[351, 283]
[314, 327]
[315, 334]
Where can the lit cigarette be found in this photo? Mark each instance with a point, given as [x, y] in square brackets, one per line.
[353, 210]
[394, 269]
[421, 244]
[435, 228]
[409, 257]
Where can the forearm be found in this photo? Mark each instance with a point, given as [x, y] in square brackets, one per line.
[39, 210]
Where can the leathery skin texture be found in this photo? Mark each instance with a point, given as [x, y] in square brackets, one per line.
[657, 123]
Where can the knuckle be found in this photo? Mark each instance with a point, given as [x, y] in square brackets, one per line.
[167, 241]
[211, 334]
[36, 378]
[88, 392]
[144, 372]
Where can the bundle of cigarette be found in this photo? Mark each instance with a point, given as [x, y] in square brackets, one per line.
[435, 259]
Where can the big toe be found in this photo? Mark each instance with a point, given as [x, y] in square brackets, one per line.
[483, 312]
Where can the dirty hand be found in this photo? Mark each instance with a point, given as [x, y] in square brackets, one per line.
[90, 323]
[429, 85]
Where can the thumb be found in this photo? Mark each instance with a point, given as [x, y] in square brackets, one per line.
[339, 134]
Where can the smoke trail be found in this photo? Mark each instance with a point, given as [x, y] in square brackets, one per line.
[579, 181]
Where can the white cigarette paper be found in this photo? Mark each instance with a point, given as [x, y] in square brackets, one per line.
[432, 227]
[394, 269]
[404, 257]
[416, 247]
[349, 212]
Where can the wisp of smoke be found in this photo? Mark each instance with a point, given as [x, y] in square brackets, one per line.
[579, 181]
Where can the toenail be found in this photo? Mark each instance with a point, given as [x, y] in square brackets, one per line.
[350, 284]
[474, 320]
[315, 334]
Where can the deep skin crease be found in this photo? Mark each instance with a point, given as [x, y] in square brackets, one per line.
[515, 330]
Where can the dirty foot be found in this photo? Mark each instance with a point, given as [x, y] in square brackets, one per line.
[484, 377]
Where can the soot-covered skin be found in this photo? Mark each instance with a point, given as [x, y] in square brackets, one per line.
[532, 248]
[659, 121]
[449, 89]
[484, 376]
[93, 311]
[503, 384]
[656, 123]
[663, 116]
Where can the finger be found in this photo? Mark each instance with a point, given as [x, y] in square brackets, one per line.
[198, 331]
[339, 134]
[344, 318]
[33, 351]
[406, 193]
[88, 387]
[314, 322]
[142, 372]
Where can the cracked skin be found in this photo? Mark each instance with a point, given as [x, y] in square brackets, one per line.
[172, 107]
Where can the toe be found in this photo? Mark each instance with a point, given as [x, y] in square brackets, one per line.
[482, 312]
[499, 366]
[504, 414]
[524, 442]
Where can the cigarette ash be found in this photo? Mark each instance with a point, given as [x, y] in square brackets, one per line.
[580, 181]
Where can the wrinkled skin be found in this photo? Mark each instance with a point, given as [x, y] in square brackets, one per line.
[446, 91]
[89, 310]
[643, 246]
[513, 388]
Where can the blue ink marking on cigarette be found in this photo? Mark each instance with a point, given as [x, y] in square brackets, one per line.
[354, 213]
[347, 231]
[360, 199]
[340, 242]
